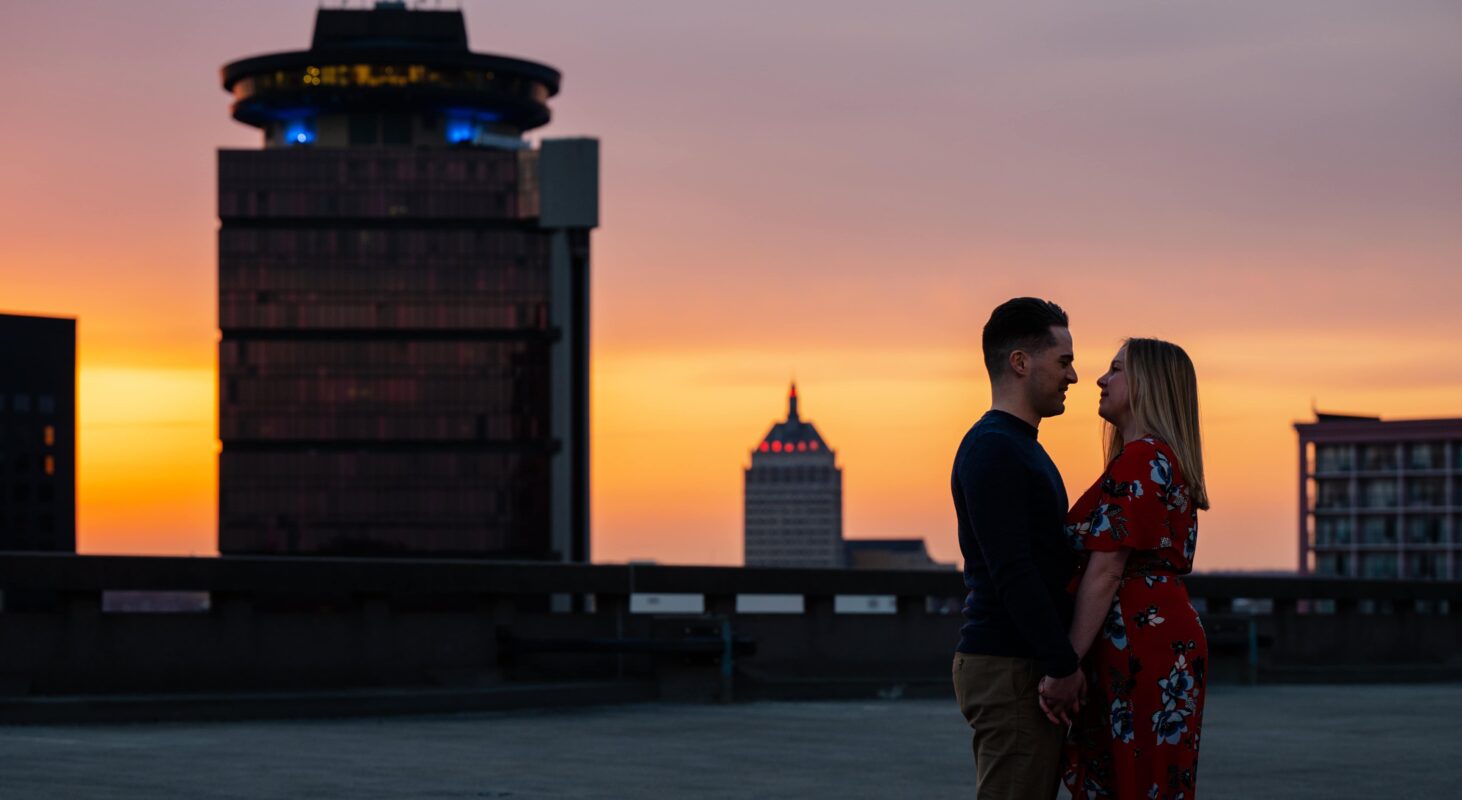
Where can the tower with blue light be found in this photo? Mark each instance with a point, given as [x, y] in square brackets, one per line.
[403, 300]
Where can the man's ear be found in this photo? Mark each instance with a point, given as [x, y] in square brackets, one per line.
[1019, 363]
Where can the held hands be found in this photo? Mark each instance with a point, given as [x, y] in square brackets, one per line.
[1061, 698]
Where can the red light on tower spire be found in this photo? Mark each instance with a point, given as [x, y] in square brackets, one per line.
[792, 403]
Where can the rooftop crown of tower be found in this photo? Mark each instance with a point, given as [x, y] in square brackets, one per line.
[793, 435]
[392, 60]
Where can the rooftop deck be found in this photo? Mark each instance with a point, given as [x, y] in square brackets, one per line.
[1267, 741]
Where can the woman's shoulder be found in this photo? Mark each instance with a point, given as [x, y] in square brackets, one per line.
[1143, 449]
[1140, 455]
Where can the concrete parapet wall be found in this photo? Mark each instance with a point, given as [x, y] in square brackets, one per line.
[272, 624]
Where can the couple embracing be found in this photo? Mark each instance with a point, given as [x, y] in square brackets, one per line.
[1080, 659]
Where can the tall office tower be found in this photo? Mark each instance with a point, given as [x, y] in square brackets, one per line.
[794, 498]
[403, 300]
[1380, 499]
[37, 433]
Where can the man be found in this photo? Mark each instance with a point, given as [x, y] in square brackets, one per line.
[1014, 657]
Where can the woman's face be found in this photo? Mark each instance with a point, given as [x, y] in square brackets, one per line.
[1115, 405]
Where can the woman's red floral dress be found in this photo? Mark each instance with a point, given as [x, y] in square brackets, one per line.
[1137, 736]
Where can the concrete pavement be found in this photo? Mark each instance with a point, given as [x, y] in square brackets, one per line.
[1259, 742]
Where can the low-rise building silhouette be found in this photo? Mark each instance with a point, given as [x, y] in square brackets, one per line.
[1380, 499]
[889, 554]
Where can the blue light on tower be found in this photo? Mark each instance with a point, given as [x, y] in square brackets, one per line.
[299, 131]
[460, 131]
[467, 125]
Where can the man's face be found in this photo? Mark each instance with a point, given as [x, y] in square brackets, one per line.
[1051, 371]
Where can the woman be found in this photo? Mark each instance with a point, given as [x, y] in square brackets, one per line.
[1137, 526]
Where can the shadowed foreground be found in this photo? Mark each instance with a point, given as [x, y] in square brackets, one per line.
[1274, 741]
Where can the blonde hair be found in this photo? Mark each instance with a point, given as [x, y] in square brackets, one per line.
[1163, 391]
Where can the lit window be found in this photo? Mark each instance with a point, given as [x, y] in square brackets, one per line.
[50, 465]
[50, 436]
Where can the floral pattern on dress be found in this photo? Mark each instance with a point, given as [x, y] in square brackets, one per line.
[1114, 629]
[1147, 616]
[1121, 720]
[1138, 735]
[1173, 493]
[1178, 699]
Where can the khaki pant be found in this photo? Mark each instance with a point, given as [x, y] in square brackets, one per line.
[1017, 750]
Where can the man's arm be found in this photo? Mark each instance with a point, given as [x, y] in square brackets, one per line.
[997, 496]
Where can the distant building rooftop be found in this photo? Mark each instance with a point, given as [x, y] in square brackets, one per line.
[389, 56]
[793, 435]
[1359, 427]
[889, 554]
[1321, 416]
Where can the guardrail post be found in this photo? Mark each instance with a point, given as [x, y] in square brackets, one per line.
[614, 607]
[83, 607]
[728, 662]
[1253, 651]
[375, 634]
[816, 606]
[911, 606]
[720, 604]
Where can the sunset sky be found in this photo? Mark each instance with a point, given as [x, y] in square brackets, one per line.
[838, 191]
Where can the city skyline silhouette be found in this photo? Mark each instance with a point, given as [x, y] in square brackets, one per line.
[840, 190]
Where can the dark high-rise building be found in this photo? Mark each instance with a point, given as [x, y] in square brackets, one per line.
[37, 433]
[403, 300]
[794, 498]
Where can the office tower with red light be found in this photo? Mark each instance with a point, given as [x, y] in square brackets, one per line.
[793, 498]
[403, 300]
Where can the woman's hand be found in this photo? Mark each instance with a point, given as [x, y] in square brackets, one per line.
[1061, 698]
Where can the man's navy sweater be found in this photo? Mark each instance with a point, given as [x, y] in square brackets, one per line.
[1011, 506]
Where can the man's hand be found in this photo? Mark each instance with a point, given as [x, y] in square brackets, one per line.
[1061, 698]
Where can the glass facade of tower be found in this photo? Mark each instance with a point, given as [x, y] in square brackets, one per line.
[393, 311]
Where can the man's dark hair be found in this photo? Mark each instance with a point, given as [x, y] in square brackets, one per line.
[1020, 324]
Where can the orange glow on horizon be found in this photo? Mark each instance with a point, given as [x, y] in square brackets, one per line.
[1152, 180]
[147, 476]
[147, 467]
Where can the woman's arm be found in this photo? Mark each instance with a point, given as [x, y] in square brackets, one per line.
[1094, 597]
